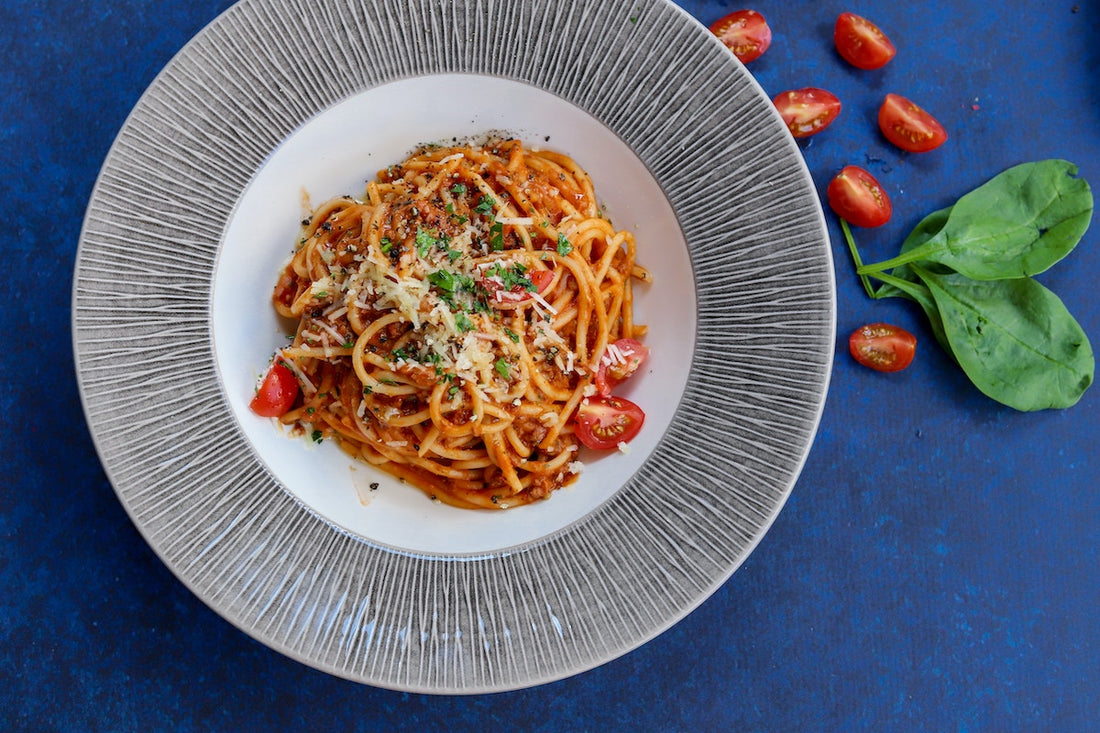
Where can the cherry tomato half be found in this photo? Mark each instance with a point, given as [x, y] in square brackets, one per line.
[276, 393]
[745, 32]
[908, 126]
[604, 422]
[858, 198]
[861, 43]
[807, 111]
[882, 347]
[619, 363]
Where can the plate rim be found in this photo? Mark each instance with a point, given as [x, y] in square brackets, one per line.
[413, 680]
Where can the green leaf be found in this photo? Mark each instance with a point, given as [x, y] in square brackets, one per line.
[485, 204]
[1017, 224]
[564, 245]
[425, 240]
[444, 280]
[1015, 339]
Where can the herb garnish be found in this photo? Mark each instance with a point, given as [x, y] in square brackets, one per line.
[564, 245]
[485, 204]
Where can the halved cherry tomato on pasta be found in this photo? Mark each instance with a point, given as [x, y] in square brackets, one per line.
[857, 197]
[620, 361]
[502, 295]
[862, 43]
[602, 423]
[908, 126]
[807, 111]
[883, 347]
[745, 32]
[276, 393]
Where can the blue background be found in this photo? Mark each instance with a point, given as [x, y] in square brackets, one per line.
[936, 567]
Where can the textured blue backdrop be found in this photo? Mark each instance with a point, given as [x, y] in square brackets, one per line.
[936, 567]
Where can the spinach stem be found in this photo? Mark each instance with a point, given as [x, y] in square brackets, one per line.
[857, 259]
[902, 259]
[909, 288]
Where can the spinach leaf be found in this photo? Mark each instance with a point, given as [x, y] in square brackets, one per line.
[1014, 339]
[1017, 224]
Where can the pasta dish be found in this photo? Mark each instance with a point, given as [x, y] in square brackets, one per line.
[462, 325]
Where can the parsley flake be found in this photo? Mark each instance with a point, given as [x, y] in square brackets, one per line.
[485, 205]
[564, 246]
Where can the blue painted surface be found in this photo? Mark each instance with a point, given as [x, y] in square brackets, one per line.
[935, 569]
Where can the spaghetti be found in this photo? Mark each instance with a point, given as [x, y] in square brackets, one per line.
[451, 322]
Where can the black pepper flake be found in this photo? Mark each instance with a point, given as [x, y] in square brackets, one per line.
[374, 486]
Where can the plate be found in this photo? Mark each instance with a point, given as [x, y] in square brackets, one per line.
[196, 208]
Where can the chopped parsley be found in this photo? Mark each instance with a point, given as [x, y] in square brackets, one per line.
[425, 240]
[501, 367]
[512, 335]
[463, 323]
[458, 189]
[496, 236]
[510, 277]
[316, 436]
[564, 246]
[385, 244]
[455, 216]
[450, 283]
[485, 205]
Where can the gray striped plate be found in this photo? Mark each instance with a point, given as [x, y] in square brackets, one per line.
[197, 204]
